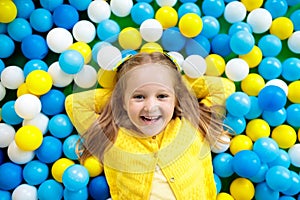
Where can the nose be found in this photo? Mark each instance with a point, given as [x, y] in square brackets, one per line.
[151, 104]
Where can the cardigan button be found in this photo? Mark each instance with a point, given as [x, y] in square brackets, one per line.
[172, 180]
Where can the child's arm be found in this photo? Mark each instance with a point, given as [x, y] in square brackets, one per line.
[83, 108]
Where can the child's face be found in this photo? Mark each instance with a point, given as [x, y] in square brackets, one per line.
[150, 98]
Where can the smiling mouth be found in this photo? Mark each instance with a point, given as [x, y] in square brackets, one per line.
[149, 119]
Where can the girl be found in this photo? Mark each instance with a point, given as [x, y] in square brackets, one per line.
[153, 131]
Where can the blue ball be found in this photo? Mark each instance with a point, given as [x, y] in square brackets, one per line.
[24, 7]
[238, 104]
[5, 195]
[49, 190]
[69, 146]
[9, 114]
[241, 42]
[2, 66]
[286, 198]
[277, 8]
[292, 2]
[75, 177]
[71, 61]
[255, 111]
[35, 172]
[270, 45]
[239, 26]
[3, 28]
[34, 64]
[34, 47]
[76, 195]
[266, 148]
[53, 102]
[18, 29]
[1, 157]
[80, 5]
[60, 126]
[271, 98]
[213, 8]
[222, 164]
[291, 69]
[169, 36]
[275, 118]
[7, 46]
[188, 7]
[283, 159]
[246, 158]
[10, 176]
[141, 11]
[295, 186]
[65, 16]
[261, 174]
[98, 188]
[51, 5]
[198, 45]
[293, 115]
[270, 68]
[41, 20]
[263, 192]
[108, 30]
[211, 27]
[295, 16]
[50, 150]
[238, 124]
[278, 178]
[187, 1]
[218, 183]
[220, 44]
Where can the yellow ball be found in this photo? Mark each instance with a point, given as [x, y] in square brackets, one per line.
[29, 138]
[93, 166]
[293, 92]
[22, 89]
[252, 84]
[130, 38]
[8, 11]
[167, 16]
[253, 58]
[190, 25]
[282, 27]
[84, 49]
[224, 196]
[284, 135]
[59, 167]
[252, 4]
[106, 78]
[151, 47]
[239, 143]
[257, 128]
[215, 65]
[242, 189]
[38, 82]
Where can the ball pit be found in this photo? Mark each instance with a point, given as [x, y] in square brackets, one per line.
[50, 49]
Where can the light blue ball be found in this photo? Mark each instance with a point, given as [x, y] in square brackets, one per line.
[294, 17]
[275, 118]
[34, 64]
[218, 183]
[188, 7]
[169, 36]
[270, 45]
[255, 111]
[263, 192]
[7, 46]
[75, 177]
[295, 186]
[222, 164]
[71, 61]
[238, 124]
[24, 7]
[238, 104]
[283, 159]
[9, 114]
[41, 20]
[239, 26]
[270, 68]
[69, 146]
[53, 102]
[141, 11]
[35, 172]
[277, 8]
[242, 42]
[198, 45]
[246, 158]
[260, 175]
[81, 194]
[50, 4]
[80, 5]
[49, 190]
[60, 126]
[211, 27]
[266, 148]
[108, 30]
[278, 178]
[50, 150]
[291, 69]
[293, 115]
[213, 8]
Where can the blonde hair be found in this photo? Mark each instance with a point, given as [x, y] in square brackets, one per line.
[103, 132]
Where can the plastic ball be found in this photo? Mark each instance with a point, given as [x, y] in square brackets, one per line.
[69, 146]
[87, 77]
[53, 102]
[270, 45]
[75, 177]
[59, 39]
[84, 49]
[9, 115]
[28, 106]
[80, 5]
[108, 57]
[260, 20]
[188, 7]
[293, 153]
[50, 5]
[29, 138]
[257, 128]
[2, 92]
[161, 3]
[239, 26]
[41, 20]
[35, 172]
[295, 186]
[38, 82]
[130, 38]
[239, 143]
[260, 175]
[224, 196]
[270, 68]
[284, 135]
[25, 191]
[275, 118]
[98, 187]
[236, 69]
[293, 94]
[108, 30]
[294, 17]
[235, 12]
[18, 29]
[17, 155]
[238, 104]
[97, 46]
[238, 124]
[194, 66]
[252, 84]
[98, 11]
[255, 111]
[277, 8]
[220, 44]
[34, 47]
[271, 98]
[215, 65]
[151, 30]
[8, 11]
[190, 25]
[213, 8]
[24, 8]
[34, 64]
[141, 11]
[279, 83]
[252, 4]
[222, 164]
[253, 58]
[169, 36]
[293, 114]
[60, 126]
[121, 8]
[76, 195]
[12, 77]
[242, 188]
[65, 16]
[266, 148]
[278, 178]
[167, 16]
[59, 167]
[218, 182]
[40, 121]
[71, 61]
[282, 27]
[5, 195]
[294, 42]
[7, 134]
[283, 159]
[10, 176]
[246, 158]
[263, 191]
[50, 150]
[211, 26]
[242, 42]
[50, 189]
[84, 31]
[59, 77]
[93, 166]
[291, 69]
[198, 45]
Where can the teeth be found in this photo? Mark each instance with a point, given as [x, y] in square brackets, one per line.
[150, 118]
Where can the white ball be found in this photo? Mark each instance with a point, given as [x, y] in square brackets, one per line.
[178, 57]
[60, 78]
[18, 156]
[25, 192]
[235, 11]
[294, 153]
[236, 69]
[260, 20]
[219, 147]
[108, 57]
[2, 92]
[27, 106]
[194, 66]
[162, 3]
[279, 83]
[87, 77]
[98, 11]
[7, 134]
[151, 30]
[121, 8]
[59, 39]
[84, 31]
[12, 77]
[40, 120]
[294, 42]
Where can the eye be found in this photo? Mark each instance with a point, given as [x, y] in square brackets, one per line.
[162, 96]
[138, 96]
